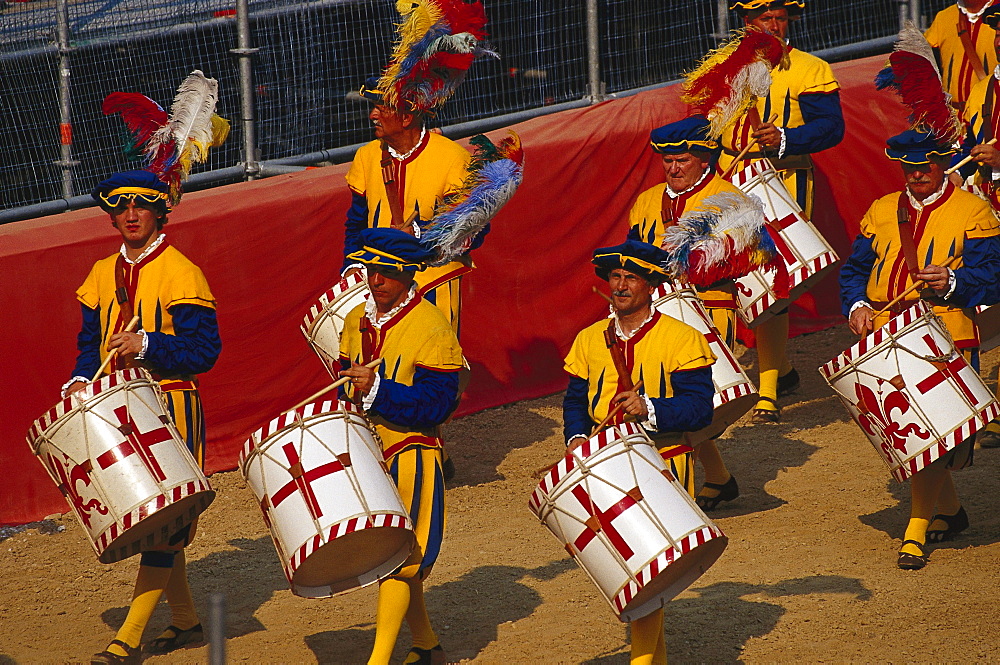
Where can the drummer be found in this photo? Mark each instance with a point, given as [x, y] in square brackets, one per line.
[177, 338]
[805, 97]
[608, 359]
[942, 221]
[412, 393]
[689, 158]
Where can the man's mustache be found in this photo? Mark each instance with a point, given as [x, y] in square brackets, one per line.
[621, 294]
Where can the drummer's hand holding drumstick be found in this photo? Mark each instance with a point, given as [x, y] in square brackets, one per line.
[767, 135]
[861, 321]
[633, 404]
[935, 277]
[126, 344]
[362, 377]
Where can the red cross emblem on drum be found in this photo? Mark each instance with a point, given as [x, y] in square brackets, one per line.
[603, 520]
[136, 443]
[302, 480]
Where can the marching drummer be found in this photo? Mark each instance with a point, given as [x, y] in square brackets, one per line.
[689, 157]
[805, 98]
[177, 339]
[412, 393]
[911, 235]
[607, 361]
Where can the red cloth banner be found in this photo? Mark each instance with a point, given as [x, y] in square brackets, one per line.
[270, 247]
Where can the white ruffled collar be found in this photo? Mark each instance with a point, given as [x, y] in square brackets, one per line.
[672, 194]
[618, 324]
[146, 252]
[378, 321]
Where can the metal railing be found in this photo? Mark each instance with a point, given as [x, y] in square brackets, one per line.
[288, 70]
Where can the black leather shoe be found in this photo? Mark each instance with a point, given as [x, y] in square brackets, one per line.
[788, 383]
[728, 491]
[957, 523]
[912, 561]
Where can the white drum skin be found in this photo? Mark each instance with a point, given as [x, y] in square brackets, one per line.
[735, 393]
[116, 456]
[807, 255]
[323, 325]
[334, 512]
[625, 519]
[911, 391]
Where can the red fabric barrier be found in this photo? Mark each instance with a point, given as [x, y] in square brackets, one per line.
[270, 247]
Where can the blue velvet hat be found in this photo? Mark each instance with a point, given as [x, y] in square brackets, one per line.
[741, 7]
[683, 136]
[391, 248]
[369, 90]
[991, 16]
[632, 255]
[122, 187]
[914, 147]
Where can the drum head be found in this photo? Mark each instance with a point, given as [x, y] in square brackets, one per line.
[723, 416]
[673, 579]
[345, 563]
[157, 529]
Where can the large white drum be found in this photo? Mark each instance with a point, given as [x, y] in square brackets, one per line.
[735, 394]
[120, 462]
[807, 255]
[333, 510]
[626, 520]
[911, 391]
[324, 323]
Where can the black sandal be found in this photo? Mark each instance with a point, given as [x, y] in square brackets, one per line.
[108, 658]
[908, 561]
[957, 523]
[432, 656]
[728, 491]
[788, 383]
[180, 638]
[762, 416]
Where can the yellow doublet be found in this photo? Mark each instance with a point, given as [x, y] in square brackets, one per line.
[425, 178]
[420, 337]
[974, 116]
[165, 278]
[956, 71]
[939, 232]
[806, 75]
[646, 216]
[669, 346]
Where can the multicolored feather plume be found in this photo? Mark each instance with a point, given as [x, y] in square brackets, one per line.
[494, 174]
[725, 238]
[913, 73]
[729, 80]
[171, 144]
[437, 42]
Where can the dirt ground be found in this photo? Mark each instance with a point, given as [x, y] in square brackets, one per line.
[809, 574]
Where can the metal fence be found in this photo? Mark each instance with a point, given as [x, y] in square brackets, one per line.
[60, 58]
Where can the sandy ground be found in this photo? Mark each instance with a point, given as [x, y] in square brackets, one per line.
[809, 573]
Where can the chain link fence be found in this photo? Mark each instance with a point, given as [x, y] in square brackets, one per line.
[60, 58]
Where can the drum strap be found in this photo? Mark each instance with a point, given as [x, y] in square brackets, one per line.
[367, 350]
[906, 241]
[965, 35]
[390, 177]
[668, 211]
[618, 358]
[125, 306]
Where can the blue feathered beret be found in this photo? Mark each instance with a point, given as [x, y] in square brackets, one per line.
[391, 248]
[639, 257]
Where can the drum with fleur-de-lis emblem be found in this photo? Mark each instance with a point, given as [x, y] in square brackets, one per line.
[116, 456]
[911, 390]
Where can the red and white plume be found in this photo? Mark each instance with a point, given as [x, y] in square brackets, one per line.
[729, 79]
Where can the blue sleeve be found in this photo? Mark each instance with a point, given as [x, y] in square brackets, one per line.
[823, 128]
[192, 349]
[690, 408]
[576, 415]
[427, 403]
[633, 233]
[976, 281]
[357, 219]
[855, 273]
[88, 342]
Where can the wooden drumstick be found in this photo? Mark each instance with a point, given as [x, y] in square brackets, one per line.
[965, 160]
[336, 384]
[743, 153]
[919, 284]
[614, 412]
[601, 293]
[111, 356]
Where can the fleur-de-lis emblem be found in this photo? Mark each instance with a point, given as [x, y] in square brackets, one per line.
[876, 413]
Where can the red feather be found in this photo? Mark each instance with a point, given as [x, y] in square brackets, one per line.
[715, 85]
[141, 114]
[921, 91]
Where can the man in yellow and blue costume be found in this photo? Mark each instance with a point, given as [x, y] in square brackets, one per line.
[689, 158]
[397, 181]
[964, 42]
[610, 357]
[412, 393]
[805, 97]
[942, 221]
[177, 339]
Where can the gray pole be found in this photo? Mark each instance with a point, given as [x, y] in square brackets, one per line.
[595, 87]
[66, 161]
[243, 51]
[915, 14]
[217, 629]
[722, 20]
